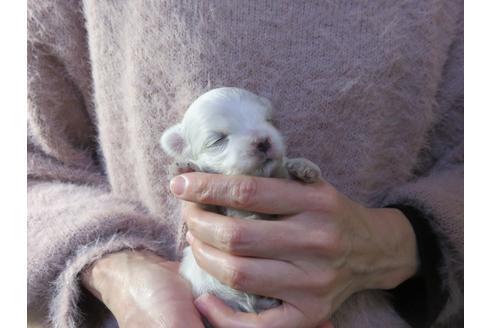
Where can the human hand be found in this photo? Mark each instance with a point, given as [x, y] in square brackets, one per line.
[142, 289]
[323, 248]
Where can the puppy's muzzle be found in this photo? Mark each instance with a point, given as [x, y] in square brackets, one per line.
[264, 145]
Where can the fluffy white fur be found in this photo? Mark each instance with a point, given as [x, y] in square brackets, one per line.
[228, 131]
[221, 132]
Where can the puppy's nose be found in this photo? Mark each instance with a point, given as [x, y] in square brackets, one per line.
[264, 145]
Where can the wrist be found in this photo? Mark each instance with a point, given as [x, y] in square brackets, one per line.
[397, 241]
[105, 277]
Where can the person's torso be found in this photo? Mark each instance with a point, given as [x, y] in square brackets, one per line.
[353, 83]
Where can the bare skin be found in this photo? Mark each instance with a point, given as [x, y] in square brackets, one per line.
[323, 248]
[142, 289]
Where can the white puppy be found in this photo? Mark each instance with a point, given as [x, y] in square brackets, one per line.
[228, 131]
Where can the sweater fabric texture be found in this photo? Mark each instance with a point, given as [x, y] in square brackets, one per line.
[371, 91]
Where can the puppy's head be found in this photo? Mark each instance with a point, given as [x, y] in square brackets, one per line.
[228, 131]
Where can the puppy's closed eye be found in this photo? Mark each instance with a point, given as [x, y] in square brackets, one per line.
[217, 140]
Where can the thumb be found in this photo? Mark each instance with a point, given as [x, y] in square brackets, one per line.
[222, 316]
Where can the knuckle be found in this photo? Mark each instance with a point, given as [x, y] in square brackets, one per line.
[244, 191]
[335, 200]
[231, 238]
[327, 279]
[325, 241]
[203, 192]
[236, 277]
[316, 240]
[333, 242]
[322, 282]
[328, 198]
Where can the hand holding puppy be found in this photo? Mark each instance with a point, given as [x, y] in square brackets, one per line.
[142, 289]
[323, 248]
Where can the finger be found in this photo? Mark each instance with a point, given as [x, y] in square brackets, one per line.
[289, 238]
[258, 276]
[258, 238]
[255, 194]
[222, 316]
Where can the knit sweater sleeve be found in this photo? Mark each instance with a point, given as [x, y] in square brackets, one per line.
[437, 191]
[73, 218]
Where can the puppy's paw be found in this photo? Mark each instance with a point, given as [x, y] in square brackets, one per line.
[303, 170]
[183, 167]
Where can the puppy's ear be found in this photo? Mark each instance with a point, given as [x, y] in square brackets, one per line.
[173, 142]
[268, 107]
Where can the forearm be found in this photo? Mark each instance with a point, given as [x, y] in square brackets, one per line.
[106, 278]
[69, 227]
[141, 289]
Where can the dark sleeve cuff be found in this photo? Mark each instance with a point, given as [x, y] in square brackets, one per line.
[420, 299]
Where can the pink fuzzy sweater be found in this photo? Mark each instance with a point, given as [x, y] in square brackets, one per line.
[372, 91]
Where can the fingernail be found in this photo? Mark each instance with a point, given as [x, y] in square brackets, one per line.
[178, 185]
[189, 237]
[200, 303]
